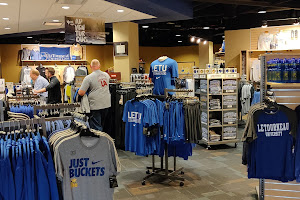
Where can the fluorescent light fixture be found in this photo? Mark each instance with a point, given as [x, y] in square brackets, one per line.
[65, 7]
[145, 26]
[205, 42]
[193, 39]
[55, 20]
[179, 41]
[178, 35]
[3, 4]
[62, 32]
[6, 28]
[262, 12]
[206, 27]
[120, 11]
[198, 41]
[52, 23]
[29, 37]
[5, 18]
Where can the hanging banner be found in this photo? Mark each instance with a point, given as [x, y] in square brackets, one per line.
[84, 30]
[55, 53]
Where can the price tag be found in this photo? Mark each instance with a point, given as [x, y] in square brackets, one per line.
[202, 76]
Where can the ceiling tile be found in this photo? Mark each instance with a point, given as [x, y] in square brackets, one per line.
[95, 6]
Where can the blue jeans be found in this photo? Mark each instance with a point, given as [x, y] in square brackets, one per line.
[97, 119]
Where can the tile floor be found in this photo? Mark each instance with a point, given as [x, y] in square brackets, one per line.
[215, 174]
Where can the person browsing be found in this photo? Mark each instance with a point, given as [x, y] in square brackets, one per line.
[96, 85]
[53, 89]
[39, 82]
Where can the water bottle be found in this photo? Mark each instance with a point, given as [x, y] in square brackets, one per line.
[277, 71]
[285, 71]
[293, 71]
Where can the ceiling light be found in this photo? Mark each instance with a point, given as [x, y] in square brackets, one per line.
[206, 27]
[65, 7]
[3, 4]
[296, 22]
[6, 28]
[120, 11]
[198, 41]
[29, 37]
[178, 35]
[62, 32]
[205, 42]
[264, 24]
[193, 39]
[52, 23]
[262, 12]
[179, 41]
[145, 26]
[170, 23]
[55, 20]
[5, 18]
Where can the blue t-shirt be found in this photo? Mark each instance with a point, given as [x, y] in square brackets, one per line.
[162, 74]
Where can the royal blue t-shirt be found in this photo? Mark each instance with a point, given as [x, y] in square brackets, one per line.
[162, 74]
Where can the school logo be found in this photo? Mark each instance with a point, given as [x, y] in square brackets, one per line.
[159, 69]
[273, 130]
[135, 117]
[74, 183]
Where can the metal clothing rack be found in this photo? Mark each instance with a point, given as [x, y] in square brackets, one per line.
[269, 189]
[55, 106]
[166, 173]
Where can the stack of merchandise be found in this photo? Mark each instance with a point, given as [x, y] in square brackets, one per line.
[214, 122]
[203, 86]
[215, 87]
[215, 104]
[204, 134]
[213, 136]
[229, 133]
[204, 117]
[230, 101]
[230, 117]
[229, 85]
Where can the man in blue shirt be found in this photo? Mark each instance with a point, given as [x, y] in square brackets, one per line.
[163, 72]
[39, 82]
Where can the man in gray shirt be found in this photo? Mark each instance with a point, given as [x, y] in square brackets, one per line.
[39, 82]
[96, 86]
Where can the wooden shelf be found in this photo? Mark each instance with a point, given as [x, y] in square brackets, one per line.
[284, 85]
[54, 61]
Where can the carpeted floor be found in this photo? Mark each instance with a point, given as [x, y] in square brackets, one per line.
[215, 174]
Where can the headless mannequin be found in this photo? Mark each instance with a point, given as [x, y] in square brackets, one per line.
[162, 58]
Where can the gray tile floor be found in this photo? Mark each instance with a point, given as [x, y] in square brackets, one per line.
[215, 174]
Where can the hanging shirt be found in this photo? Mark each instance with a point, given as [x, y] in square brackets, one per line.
[264, 41]
[25, 76]
[85, 169]
[25, 54]
[162, 74]
[255, 71]
[42, 71]
[76, 52]
[69, 74]
[35, 55]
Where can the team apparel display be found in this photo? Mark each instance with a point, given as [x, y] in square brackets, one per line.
[163, 74]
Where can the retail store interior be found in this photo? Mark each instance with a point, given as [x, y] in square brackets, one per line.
[147, 99]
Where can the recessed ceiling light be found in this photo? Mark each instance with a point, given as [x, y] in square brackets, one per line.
[145, 26]
[65, 7]
[205, 42]
[296, 22]
[193, 39]
[206, 27]
[179, 41]
[6, 28]
[5, 18]
[29, 37]
[52, 23]
[178, 35]
[120, 11]
[262, 12]
[198, 41]
[55, 20]
[3, 4]
[62, 32]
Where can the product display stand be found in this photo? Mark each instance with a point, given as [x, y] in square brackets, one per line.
[269, 189]
[55, 107]
[164, 173]
[203, 89]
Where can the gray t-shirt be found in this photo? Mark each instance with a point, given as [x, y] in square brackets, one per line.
[97, 84]
[84, 170]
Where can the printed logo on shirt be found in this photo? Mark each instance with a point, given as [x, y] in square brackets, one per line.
[80, 167]
[160, 69]
[74, 183]
[73, 153]
[102, 80]
[273, 130]
[135, 117]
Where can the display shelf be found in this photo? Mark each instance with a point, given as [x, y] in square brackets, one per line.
[223, 142]
[284, 85]
[215, 94]
[227, 93]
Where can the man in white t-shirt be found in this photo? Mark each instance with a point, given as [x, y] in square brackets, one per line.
[96, 86]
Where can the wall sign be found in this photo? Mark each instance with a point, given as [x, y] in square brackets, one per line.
[55, 53]
[84, 30]
[121, 49]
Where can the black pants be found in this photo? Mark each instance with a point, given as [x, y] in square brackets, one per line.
[98, 119]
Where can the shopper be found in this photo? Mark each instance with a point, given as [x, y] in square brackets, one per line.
[96, 85]
[39, 82]
[53, 89]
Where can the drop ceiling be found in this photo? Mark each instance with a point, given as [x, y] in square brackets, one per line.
[29, 15]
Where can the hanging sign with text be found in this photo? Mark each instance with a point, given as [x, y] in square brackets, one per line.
[84, 30]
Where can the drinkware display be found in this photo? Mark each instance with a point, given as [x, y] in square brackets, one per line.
[283, 70]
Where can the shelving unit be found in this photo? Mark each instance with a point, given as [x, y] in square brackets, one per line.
[202, 88]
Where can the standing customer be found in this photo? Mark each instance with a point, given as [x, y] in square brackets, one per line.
[39, 82]
[53, 89]
[97, 86]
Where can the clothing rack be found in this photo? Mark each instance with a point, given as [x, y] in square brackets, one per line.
[55, 106]
[166, 173]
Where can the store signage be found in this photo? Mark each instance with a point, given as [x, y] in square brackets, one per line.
[120, 49]
[55, 53]
[84, 30]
